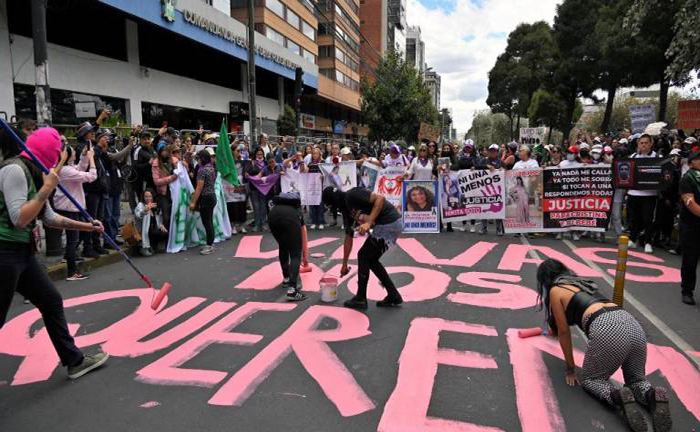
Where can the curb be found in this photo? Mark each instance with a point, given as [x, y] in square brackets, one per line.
[57, 271]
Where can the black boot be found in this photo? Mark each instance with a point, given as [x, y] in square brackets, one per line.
[657, 402]
[629, 410]
[391, 300]
[355, 303]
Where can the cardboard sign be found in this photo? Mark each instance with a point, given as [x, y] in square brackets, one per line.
[688, 114]
[428, 132]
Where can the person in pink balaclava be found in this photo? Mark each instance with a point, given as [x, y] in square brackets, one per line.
[24, 194]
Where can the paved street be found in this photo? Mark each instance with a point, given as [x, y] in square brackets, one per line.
[227, 352]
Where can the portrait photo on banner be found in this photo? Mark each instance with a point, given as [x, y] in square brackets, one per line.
[420, 206]
[523, 206]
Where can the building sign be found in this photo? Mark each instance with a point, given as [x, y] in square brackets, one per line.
[169, 9]
[226, 34]
[308, 121]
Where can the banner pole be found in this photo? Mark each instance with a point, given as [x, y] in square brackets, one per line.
[621, 270]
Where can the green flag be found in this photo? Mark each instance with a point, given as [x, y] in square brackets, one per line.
[224, 158]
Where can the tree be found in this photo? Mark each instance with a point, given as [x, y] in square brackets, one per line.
[397, 101]
[489, 128]
[286, 122]
[546, 109]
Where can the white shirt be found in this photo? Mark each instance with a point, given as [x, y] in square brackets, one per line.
[634, 192]
[525, 165]
[569, 164]
[266, 149]
[399, 161]
[419, 172]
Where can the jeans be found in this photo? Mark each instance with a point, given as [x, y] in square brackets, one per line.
[640, 215]
[94, 206]
[259, 207]
[21, 272]
[485, 225]
[286, 229]
[316, 215]
[207, 203]
[112, 215]
[71, 254]
[368, 259]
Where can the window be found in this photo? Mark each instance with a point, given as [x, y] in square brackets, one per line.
[291, 46]
[340, 55]
[275, 6]
[293, 19]
[309, 56]
[309, 31]
[273, 35]
[353, 6]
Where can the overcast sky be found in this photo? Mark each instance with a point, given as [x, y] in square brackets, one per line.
[462, 40]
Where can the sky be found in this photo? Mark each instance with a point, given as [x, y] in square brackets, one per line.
[462, 40]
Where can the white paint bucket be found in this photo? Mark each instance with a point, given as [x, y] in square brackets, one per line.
[329, 289]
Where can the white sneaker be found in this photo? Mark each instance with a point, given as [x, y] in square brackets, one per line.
[472, 229]
[648, 249]
[559, 236]
[234, 231]
[631, 245]
[243, 230]
[464, 228]
[206, 250]
[577, 237]
[320, 227]
[312, 226]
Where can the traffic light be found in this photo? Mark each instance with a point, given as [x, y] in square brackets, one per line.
[298, 87]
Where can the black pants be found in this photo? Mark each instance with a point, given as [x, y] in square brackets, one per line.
[206, 210]
[368, 259]
[285, 225]
[71, 253]
[663, 220]
[95, 208]
[21, 272]
[237, 212]
[165, 203]
[640, 215]
[690, 244]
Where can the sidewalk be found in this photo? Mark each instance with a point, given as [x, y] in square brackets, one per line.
[56, 266]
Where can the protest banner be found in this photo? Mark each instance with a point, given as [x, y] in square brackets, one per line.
[342, 175]
[290, 181]
[523, 209]
[641, 173]
[428, 132]
[472, 194]
[311, 188]
[577, 198]
[368, 175]
[533, 136]
[641, 116]
[688, 114]
[389, 184]
[444, 164]
[420, 206]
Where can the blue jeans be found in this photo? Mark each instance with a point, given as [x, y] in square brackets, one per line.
[71, 253]
[316, 212]
[112, 214]
[259, 207]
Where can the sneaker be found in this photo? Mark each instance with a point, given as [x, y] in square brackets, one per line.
[482, 231]
[206, 250]
[146, 252]
[312, 227]
[629, 409]
[673, 252]
[294, 294]
[648, 249]
[76, 277]
[685, 298]
[90, 363]
[234, 231]
[631, 245]
[463, 228]
[320, 227]
[354, 303]
[657, 401]
[559, 236]
[243, 230]
[390, 301]
[472, 229]
[26, 301]
[342, 227]
[577, 237]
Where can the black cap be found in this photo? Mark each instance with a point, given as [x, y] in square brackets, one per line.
[172, 131]
[145, 135]
[332, 196]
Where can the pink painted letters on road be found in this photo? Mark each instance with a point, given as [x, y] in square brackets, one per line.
[508, 296]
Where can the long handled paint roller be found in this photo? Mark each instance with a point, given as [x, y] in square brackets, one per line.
[305, 267]
[157, 299]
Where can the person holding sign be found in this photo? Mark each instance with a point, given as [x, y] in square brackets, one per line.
[369, 211]
[690, 226]
[641, 204]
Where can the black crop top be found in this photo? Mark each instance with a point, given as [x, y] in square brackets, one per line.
[586, 296]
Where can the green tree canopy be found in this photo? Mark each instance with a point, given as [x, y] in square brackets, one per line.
[286, 123]
[397, 101]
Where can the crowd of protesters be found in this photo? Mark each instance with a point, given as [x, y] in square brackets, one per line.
[102, 165]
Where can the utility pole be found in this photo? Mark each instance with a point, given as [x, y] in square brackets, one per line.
[41, 63]
[252, 112]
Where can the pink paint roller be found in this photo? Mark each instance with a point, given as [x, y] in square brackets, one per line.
[305, 267]
[166, 286]
[529, 332]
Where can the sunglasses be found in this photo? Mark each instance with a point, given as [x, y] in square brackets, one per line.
[424, 150]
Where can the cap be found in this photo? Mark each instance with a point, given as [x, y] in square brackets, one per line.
[675, 152]
[412, 147]
[210, 151]
[84, 129]
[596, 150]
[469, 143]
[103, 132]
[493, 147]
[596, 139]
[573, 149]
[607, 150]
[145, 135]
[346, 151]
[690, 140]
[597, 147]
[624, 141]
[331, 196]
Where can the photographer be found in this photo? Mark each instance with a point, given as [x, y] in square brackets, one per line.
[113, 159]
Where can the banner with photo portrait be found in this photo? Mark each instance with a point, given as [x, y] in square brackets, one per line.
[420, 206]
[342, 175]
[642, 173]
[309, 186]
[368, 175]
[577, 198]
[389, 184]
[523, 206]
[472, 194]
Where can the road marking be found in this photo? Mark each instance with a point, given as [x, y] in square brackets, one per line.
[674, 337]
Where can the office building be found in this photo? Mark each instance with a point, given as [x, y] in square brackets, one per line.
[415, 49]
[432, 80]
[383, 24]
